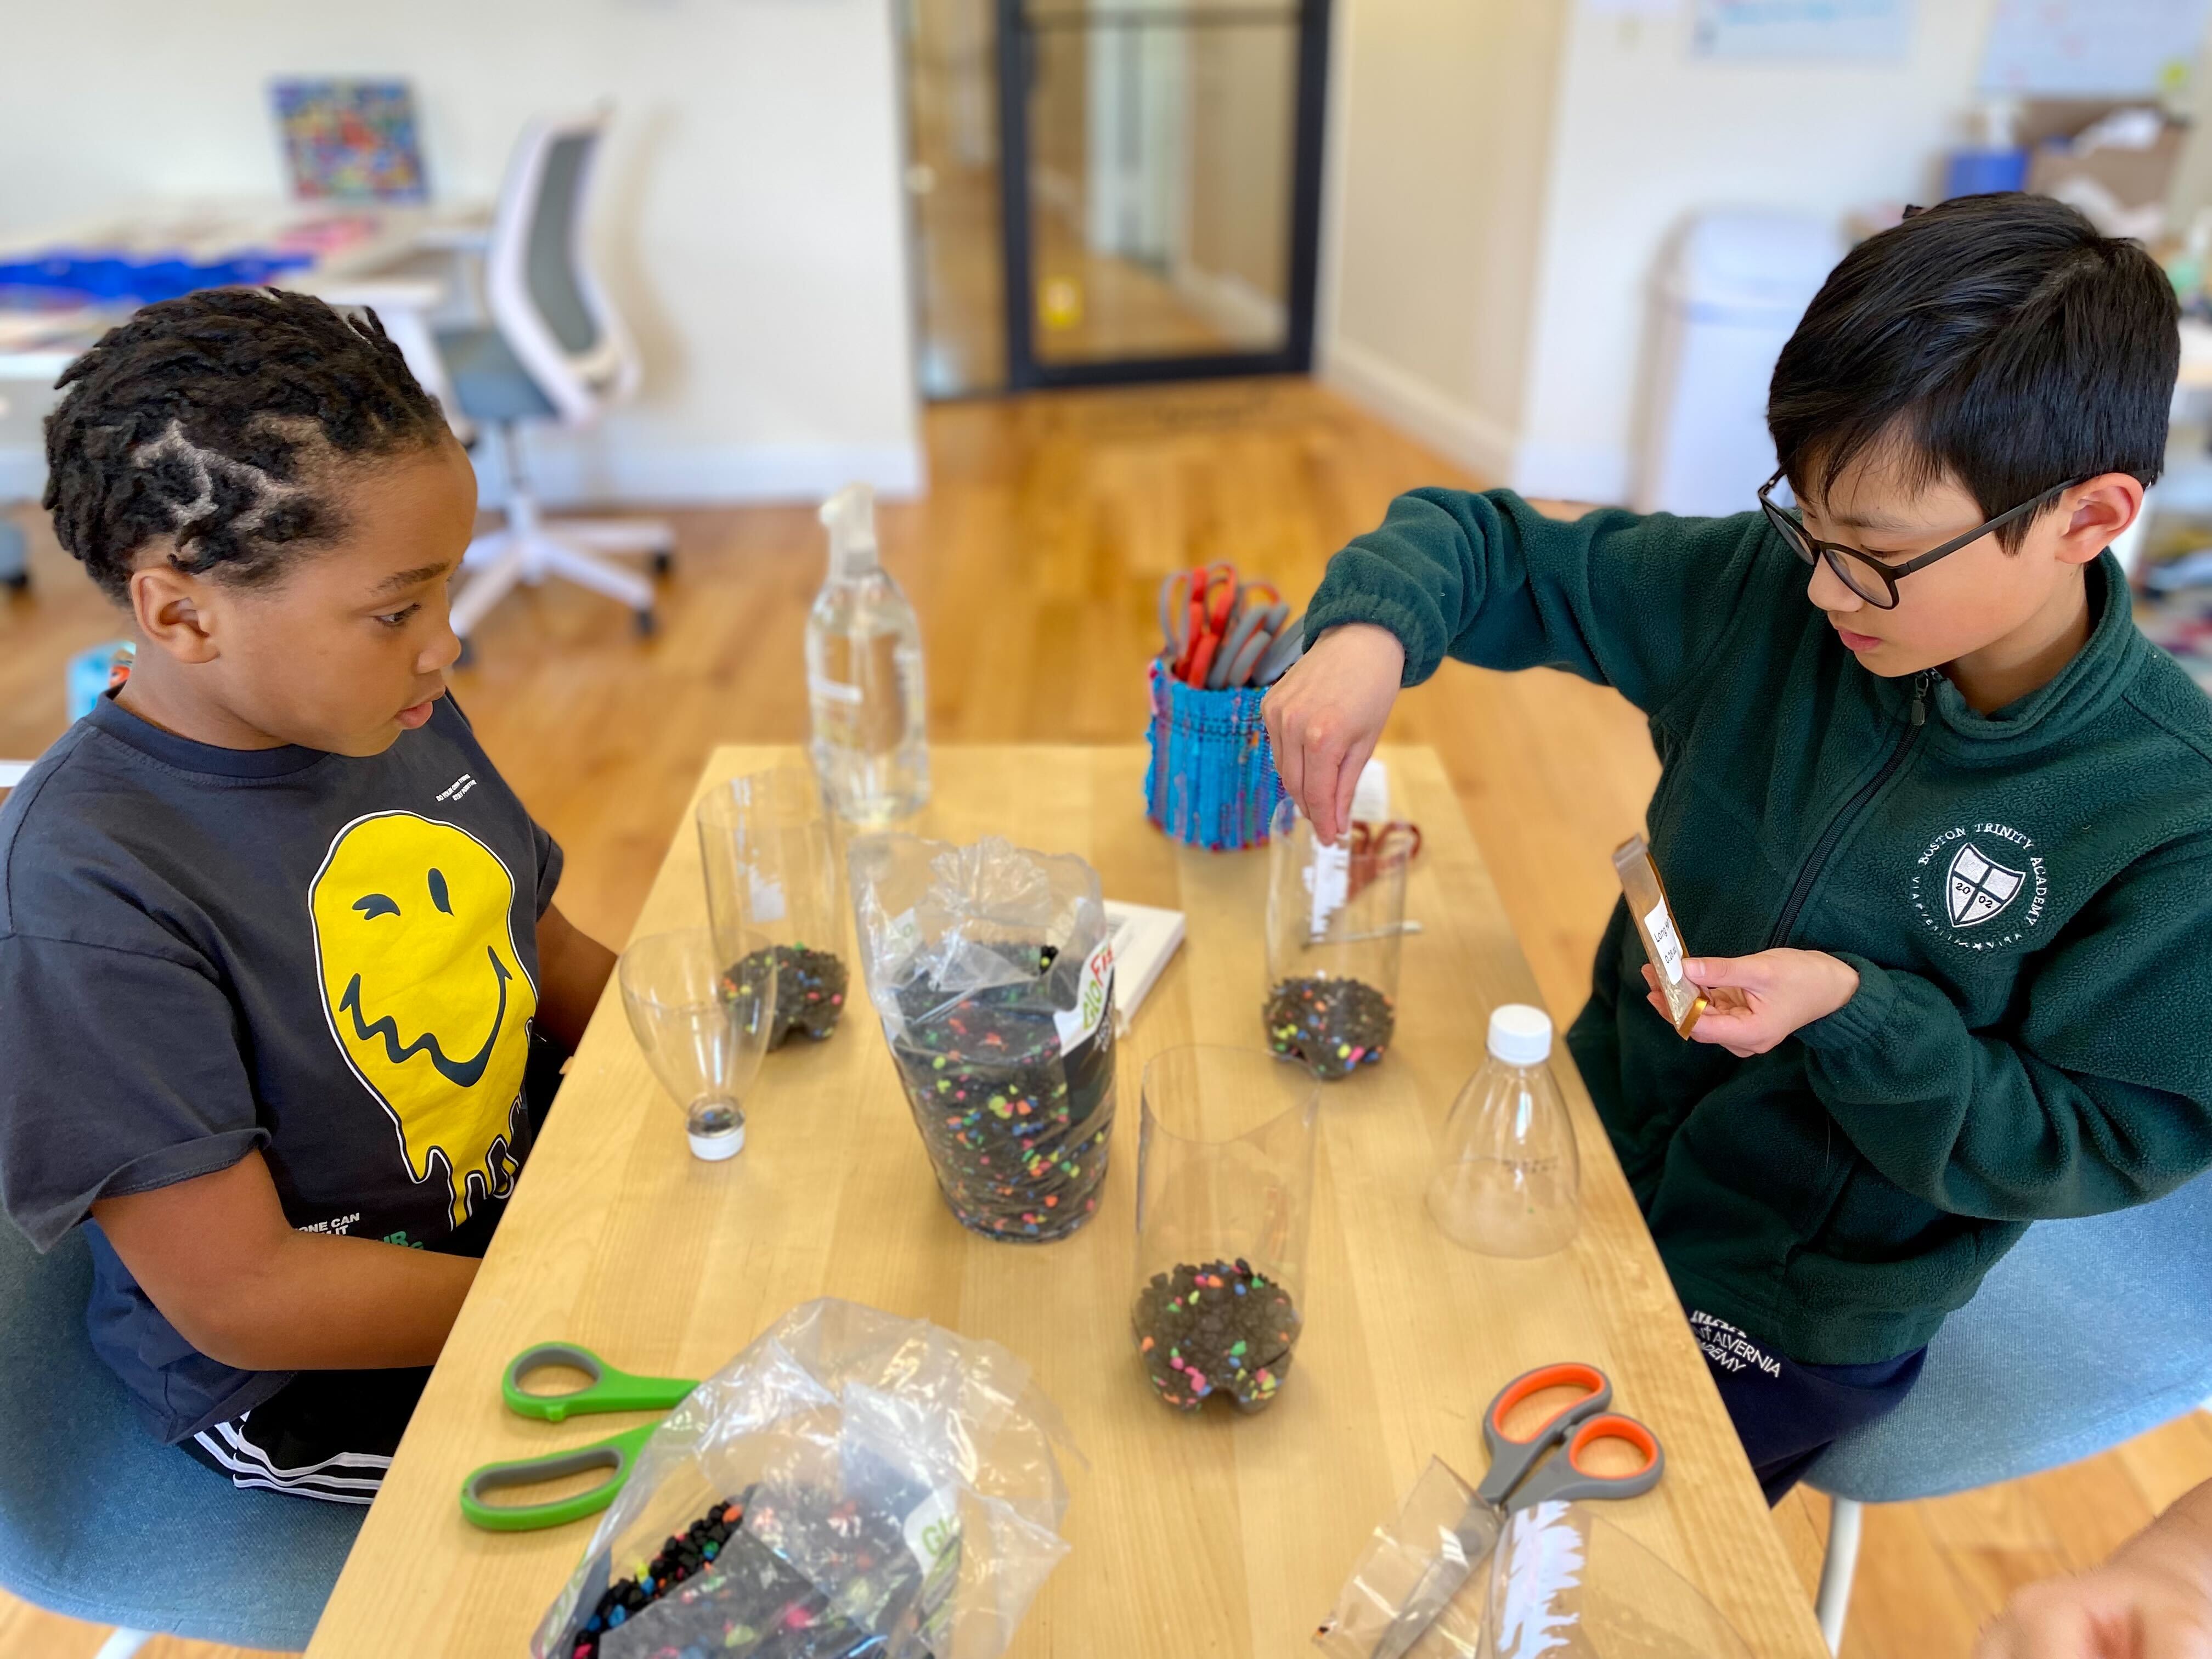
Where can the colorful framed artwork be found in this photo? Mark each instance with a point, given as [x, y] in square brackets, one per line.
[350, 141]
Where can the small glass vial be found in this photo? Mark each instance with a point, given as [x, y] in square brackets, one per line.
[1511, 1183]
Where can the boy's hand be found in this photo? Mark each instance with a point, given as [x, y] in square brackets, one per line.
[1752, 1002]
[2153, 1600]
[2125, 1609]
[1325, 715]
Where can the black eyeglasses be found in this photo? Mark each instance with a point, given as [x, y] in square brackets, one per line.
[1864, 575]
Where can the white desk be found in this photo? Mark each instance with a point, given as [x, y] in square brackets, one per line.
[354, 247]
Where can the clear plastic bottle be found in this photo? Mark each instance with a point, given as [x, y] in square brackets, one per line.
[864, 682]
[1511, 1183]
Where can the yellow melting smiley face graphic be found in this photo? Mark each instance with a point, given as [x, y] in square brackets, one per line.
[426, 995]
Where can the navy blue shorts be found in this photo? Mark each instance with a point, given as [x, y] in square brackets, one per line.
[1787, 1413]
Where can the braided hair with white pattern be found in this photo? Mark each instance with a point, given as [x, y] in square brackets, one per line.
[221, 422]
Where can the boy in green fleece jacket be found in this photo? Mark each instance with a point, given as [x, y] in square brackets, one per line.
[1943, 815]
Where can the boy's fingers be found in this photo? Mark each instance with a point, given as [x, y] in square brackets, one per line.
[1725, 1026]
[1324, 763]
[1289, 763]
[1705, 972]
[1347, 780]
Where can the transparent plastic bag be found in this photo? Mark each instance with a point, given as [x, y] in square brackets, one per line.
[1554, 1580]
[1426, 1530]
[869, 1487]
[991, 970]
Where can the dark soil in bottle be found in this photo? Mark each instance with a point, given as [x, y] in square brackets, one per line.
[1333, 1026]
[810, 991]
[1220, 1328]
[1016, 1131]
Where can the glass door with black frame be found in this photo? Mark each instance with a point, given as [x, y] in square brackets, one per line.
[1161, 186]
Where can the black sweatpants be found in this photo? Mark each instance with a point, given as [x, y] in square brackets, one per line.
[1787, 1413]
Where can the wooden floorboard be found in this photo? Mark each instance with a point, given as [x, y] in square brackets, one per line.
[1034, 562]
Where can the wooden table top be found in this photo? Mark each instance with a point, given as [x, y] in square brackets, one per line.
[1221, 1536]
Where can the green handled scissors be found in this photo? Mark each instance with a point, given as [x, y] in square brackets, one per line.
[608, 1390]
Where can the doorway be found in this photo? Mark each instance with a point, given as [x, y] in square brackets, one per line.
[1113, 191]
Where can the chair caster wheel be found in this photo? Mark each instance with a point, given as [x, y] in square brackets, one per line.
[647, 624]
[664, 561]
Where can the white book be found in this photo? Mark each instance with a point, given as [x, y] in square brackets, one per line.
[1143, 938]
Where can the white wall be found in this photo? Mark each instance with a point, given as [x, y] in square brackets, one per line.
[1646, 134]
[1438, 144]
[748, 221]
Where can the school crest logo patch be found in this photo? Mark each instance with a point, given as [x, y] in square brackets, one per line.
[1982, 886]
[1979, 887]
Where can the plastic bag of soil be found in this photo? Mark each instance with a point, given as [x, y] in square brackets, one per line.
[853, 1485]
[991, 970]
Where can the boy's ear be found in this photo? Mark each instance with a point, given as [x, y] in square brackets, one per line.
[2096, 515]
[170, 606]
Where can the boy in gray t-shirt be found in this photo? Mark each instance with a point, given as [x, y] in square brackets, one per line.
[282, 990]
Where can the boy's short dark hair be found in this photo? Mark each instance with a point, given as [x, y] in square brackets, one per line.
[1999, 341]
[213, 419]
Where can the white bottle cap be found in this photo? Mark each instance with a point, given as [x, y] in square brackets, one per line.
[1520, 1035]
[1370, 796]
[714, 1148]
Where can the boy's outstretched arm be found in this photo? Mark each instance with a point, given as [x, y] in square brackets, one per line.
[222, 1265]
[572, 971]
[2094, 1094]
[1638, 603]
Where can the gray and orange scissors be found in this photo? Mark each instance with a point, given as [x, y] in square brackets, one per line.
[1548, 1466]
[1218, 630]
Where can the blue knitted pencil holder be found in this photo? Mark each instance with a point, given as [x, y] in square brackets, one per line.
[1212, 781]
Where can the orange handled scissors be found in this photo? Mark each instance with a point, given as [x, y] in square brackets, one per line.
[1547, 1465]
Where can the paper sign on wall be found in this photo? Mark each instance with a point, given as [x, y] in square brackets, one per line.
[1861, 29]
[2094, 48]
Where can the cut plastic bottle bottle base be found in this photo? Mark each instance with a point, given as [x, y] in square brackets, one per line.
[716, 1134]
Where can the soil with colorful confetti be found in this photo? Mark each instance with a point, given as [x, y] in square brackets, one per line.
[1221, 1329]
[721, 1587]
[810, 991]
[1333, 1026]
[1016, 1131]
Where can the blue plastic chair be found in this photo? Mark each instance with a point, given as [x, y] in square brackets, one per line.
[2089, 1333]
[99, 1522]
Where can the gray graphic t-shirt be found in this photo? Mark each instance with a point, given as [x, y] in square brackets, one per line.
[206, 950]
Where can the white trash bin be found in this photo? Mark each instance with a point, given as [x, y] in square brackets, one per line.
[1728, 297]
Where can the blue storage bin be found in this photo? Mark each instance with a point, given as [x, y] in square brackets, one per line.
[1981, 172]
[1211, 781]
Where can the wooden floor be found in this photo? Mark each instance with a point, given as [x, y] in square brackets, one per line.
[1033, 562]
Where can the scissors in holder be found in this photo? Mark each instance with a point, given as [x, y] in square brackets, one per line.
[1251, 632]
[608, 1390]
[1547, 1466]
[1209, 617]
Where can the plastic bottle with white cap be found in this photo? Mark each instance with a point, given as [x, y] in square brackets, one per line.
[1510, 1182]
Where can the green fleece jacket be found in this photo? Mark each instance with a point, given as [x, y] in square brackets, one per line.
[2027, 896]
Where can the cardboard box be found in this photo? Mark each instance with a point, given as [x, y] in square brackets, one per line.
[2123, 191]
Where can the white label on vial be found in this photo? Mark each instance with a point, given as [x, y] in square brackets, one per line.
[1328, 881]
[833, 691]
[1661, 925]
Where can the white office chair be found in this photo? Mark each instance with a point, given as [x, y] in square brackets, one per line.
[554, 351]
